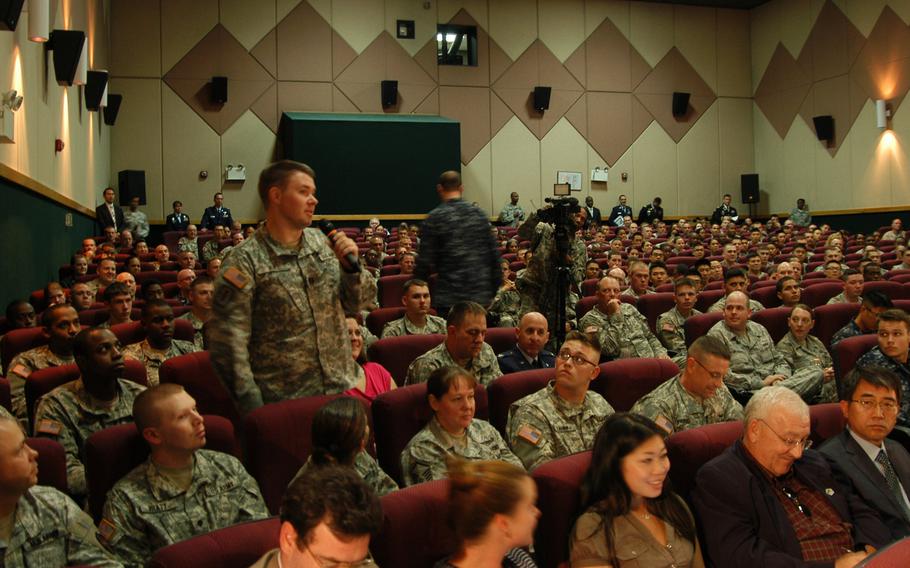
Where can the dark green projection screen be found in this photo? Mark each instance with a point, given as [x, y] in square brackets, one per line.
[373, 164]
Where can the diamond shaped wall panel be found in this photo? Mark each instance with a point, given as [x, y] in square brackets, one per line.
[611, 63]
[471, 107]
[304, 46]
[300, 96]
[358, 21]
[695, 36]
[424, 23]
[783, 88]
[513, 25]
[247, 21]
[183, 24]
[882, 68]
[651, 30]
[266, 108]
[562, 25]
[832, 46]
[266, 52]
[614, 122]
[831, 97]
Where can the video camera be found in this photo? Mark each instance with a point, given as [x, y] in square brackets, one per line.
[561, 216]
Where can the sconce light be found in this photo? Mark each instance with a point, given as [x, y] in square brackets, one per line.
[235, 173]
[9, 104]
[882, 113]
[12, 100]
[39, 17]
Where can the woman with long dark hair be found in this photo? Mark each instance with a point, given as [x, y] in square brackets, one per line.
[631, 516]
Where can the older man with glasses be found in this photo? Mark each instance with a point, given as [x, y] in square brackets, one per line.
[770, 501]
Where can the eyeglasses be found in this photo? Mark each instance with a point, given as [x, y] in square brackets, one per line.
[791, 495]
[577, 359]
[868, 404]
[805, 443]
[323, 563]
[715, 376]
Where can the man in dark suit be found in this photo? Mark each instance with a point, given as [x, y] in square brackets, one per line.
[618, 212]
[593, 213]
[725, 210]
[109, 215]
[533, 333]
[770, 501]
[217, 214]
[651, 212]
[876, 467]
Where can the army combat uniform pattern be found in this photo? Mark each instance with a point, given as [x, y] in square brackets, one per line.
[671, 332]
[624, 334]
[811, 354]
[403, 326]
[675, 409]
[153, 358]
[484, 367]
[22, 366]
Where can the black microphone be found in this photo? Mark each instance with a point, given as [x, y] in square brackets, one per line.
[329, 230]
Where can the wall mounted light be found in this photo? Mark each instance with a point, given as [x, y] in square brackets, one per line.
[39, 18]
[9, 104]
[235, 173]
[882, 113]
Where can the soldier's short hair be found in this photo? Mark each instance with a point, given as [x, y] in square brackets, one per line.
[588, 339]
[710, 345]
[895, 314]
[848, 273]
[638, 265]
[115, 289]
[876, 299]
[732, 273]
[49, 316]
[152, 304]
[334, 495]
[441, 380]
[780, 283]
[449, 180]
[683, 282]
[875, 376]
[411, 283]
[277, 174]
[145, 411]
[657, 264]
[461, 309]
[200, 280]
[805, 307]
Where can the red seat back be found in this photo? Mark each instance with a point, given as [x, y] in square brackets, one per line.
[559, 501]
[825, 421]
[706, 299]
[194, 372]
[415, 531]
[133, 332]
[397, 353]
[391, 289]
[589, 287]
[892, 556]
[378, 318]
[766, 296]
[830, 318]
[774, 320]
[820, 281]
[509, 388]
[237, 545]
[653, 305]
[762, 284]
[893, 290]
[624, 381]
[696, 326]
[714, 285]
[847, 352]
[5, 400]
[51, 463]
[818, 294]
[113, 452]
[690, 449]
[163, 276]
[18, 341]
[501, 339]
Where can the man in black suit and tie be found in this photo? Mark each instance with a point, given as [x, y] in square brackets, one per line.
[725, 210]
[533, 334]
[593, 213]
[862, 456]
[618, 212]
[109, 215]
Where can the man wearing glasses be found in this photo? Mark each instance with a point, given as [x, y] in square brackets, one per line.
[770, 501]
[697, 396]
[562, 418]
[891, 354]
[878, 468]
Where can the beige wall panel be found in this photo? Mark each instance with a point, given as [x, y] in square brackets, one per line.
[656, 168]
[799, 148]
[764, 36]
[695, 33]
[864, 13]
[516, 164]
[9, 153]
[596, 11]
[736, 147]
[797, 19]
[446, 10]
[100, 175]
[136, 138]
[606, 195]
[183, 24]
[513, 25]
[424, 23]
[304, 96]
[477, 176]
[651, 30]
[871, 164]
[698, 165]
[249, 142]
[29, 81]
[358, 21]
[562, 25]
[49, 129]
[894, 146]
[189, 146]
[136, 39]
[284, 7]
[901, 8]
[769, 161]
[248, 21]
[563, 149]
[99, 30]
[734, 54]
[833, 180]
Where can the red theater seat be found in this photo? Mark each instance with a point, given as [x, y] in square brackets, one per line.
[391, 289]
[163, 276]
[501, 339]
[509, 388]
[774, 320]
[714, 285]
[18, 341]
[415, 532]
[378, 318]
[706, 298]
[892, 556]
[51, 462]
[825, 421]
[894, 290]
[133, 332]
[623, 381]
[653, 305]
[830, 318]
[766, 296]
[818, 294]
[194, 372]
[5, 401]
[696, 326]
[397, 353]
[589, 287]
[848, 351]
[559, 501]
[690, 449]
[237, 545]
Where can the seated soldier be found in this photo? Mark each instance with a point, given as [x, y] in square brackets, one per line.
[181, 490]
[159, 344]
[755, 264]
[622, 331]
[563, 417]
[79, 264]
[202, 291]
[152, 290]
[40, 526]
[128, 280]
[697, 396]
[61, 324]
[212, 268]
[185, 279]
[328, 516]
[891, 354]
[734, 281]
[639, 278]
[53, 294]
[866, 321]
[529, 353]
[99, 398]
[801, 350]
[853, 288]
[464, 347]
[417, 319]
[452, 431]
[82, 296]
[106, 272]
[833, 270]
[190, 241]
[407, 261]
[671, 324]
[506, 305]
[119, 305]
[788, 291]
[211, 248]
[658, 274]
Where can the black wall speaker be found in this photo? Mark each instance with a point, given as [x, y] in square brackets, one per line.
[824, 127]
[219, 90]
[131, 184]
[749, 186]
[67, 46]
[542, 98]
[680, 104]
[389, 93]
[112, 108]
[9, 12]
[94, 89]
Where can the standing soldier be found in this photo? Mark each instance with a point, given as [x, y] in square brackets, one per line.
[512, 214]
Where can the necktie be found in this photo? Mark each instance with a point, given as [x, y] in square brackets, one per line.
[892, 481]
[113, 216]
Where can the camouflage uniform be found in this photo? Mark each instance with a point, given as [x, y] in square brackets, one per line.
[278, 331]
[719, 305]
[633, 294]
[849, 330]
[511, 215]
[875, 357]
[424, 458]
[811, 354]
[893, 236]
[675, 409]
[186, 244]
[368, 470]
[68, 415]
[624, 334]
[672, 334]
[367, 336]
[22, 366]
[153, 358]
[542, 426]
[50, 530]
[4, 413]
[841, 299]
[210, 250]
[484, 367]
[403, 326]
[145, 510]
[198, 339]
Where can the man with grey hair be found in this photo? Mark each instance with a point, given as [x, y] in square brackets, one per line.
[770, 501]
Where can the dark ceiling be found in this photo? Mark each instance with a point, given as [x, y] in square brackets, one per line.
[738, 4]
